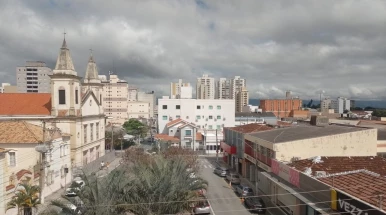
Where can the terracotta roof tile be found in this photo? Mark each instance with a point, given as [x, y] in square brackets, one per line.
[20, 132]
[25, 104]
[198, 136]
[333, 165]
[249, 128]
[9, 187]
[166, 137]
[174, 122]
[361, 185]
[22, 172]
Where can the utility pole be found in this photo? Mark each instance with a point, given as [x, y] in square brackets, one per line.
[42, 149]
[216, 146]
[112, 136]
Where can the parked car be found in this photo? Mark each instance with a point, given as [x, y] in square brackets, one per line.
[234, 178]
[71, 192]
[201, 207]
[255, 205]
[244, 191]
[221, 171]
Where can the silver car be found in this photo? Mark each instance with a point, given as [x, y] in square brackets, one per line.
[244, 191]
[221, 171]
[233, 178]
[202, 207]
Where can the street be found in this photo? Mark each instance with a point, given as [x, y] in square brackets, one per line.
[221, 197]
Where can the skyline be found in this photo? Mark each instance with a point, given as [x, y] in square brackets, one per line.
[302, 46]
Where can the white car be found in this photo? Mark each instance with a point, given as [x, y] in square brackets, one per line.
[71, 192]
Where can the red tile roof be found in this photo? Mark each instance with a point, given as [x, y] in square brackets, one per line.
[22, 172]
[9, 187]
[362, 185]
[249, 128]
[25, 104]
[166, 137]
[174, 122]
[333, 165]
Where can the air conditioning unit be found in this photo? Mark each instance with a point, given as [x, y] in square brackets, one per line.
[170, 118]
[206, 119]
[224, 118]
[215, 120]
[320, 173]
[196, 120]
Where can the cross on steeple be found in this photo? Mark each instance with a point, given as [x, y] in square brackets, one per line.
[90, 51]
[64, 34]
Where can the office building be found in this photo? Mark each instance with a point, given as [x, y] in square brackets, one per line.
[205, 87]
[180, 90]
[34, 77]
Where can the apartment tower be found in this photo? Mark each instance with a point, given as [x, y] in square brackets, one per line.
[34, 77]
[180, 90]
[242, 99]
[205, 87]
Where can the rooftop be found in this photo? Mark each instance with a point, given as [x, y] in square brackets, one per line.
[25, 104]
[362, 185]
[166, 137]
[301, 132]
[249, 128]
[332, 165]
[253, 114]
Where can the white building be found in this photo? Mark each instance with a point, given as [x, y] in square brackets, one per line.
[132, 96]
[22, 161]
[180, 90]
[138, 110]
[3, 85]
[204, 113]
[212, 140]
[223, 89]
[325, 105]
[242, 99]
[148, 97]
[236, 85]
[340, 105]
[205, 87]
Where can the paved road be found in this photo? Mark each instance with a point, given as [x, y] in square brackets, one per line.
[221, 197]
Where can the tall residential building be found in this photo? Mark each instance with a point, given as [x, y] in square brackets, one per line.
[340, 105]
[281, 107]
[114, 99]
[34, 77]
[325, 105]
[223, 89]
[180, 90]
[132, 95]
[148, 97]
[242, 99]
[236, 85]
[205, 87]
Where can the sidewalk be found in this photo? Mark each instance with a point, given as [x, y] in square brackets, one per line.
[58, 194]
[271, 207]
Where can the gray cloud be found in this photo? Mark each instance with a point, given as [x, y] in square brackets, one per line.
[278, 45]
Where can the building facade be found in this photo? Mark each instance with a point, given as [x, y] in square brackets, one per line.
[115, 99]
[340, 105]
[180, 90]
[281, 107]
[236, 85]
[132, 96]
[325, 105]
[242, 99]
[148, 97]
[34, 77]
[245, 118]
[223, 89]
[138, 110]
[204, 113]
[205, 87]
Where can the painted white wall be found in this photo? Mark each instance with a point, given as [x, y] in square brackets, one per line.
[188, 111]
[138, 109]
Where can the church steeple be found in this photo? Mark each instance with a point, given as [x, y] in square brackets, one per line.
[64, 63]
[92, 71]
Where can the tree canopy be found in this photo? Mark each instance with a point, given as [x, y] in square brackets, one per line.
[379, 113]
[135, 127]
[25, 198]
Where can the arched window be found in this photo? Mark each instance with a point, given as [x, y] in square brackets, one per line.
[62, 96]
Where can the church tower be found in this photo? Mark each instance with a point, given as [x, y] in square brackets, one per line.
[91, 80]
[65, 86]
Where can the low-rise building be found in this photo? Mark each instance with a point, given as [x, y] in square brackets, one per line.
[23, 163]
[281, 107]
[204, 113]
[212, 140]
[245, 118]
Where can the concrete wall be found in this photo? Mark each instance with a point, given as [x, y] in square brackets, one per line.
[359, 143]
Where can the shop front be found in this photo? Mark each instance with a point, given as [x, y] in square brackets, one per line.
[229, 153]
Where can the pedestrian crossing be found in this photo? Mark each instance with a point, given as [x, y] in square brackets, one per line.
[206, 164]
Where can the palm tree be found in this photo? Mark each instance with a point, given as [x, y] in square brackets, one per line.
[25, 198]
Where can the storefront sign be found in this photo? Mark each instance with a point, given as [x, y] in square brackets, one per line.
[250, 158]
[351, 206]
[285, 172]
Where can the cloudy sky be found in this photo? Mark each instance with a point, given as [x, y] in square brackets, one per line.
[277, 45]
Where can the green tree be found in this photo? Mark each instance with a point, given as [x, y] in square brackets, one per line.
[118, 137]
[25, 199]
[135, 127]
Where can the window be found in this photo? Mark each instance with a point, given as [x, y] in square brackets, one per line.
[164, 117]
[210, 117]
[178, 107]
[218, 127]
[218, 107]
[171, 130]
[164, 107]
[187, 117]
[198, 107]
[12, 159]
[188, 132]
[178, 116]
[218, 117]
[198, 117]
[85, 133]
[210, 107]
[76, 97]
[91, 132]
[210, 127]
[97, 130]
[62, 97]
